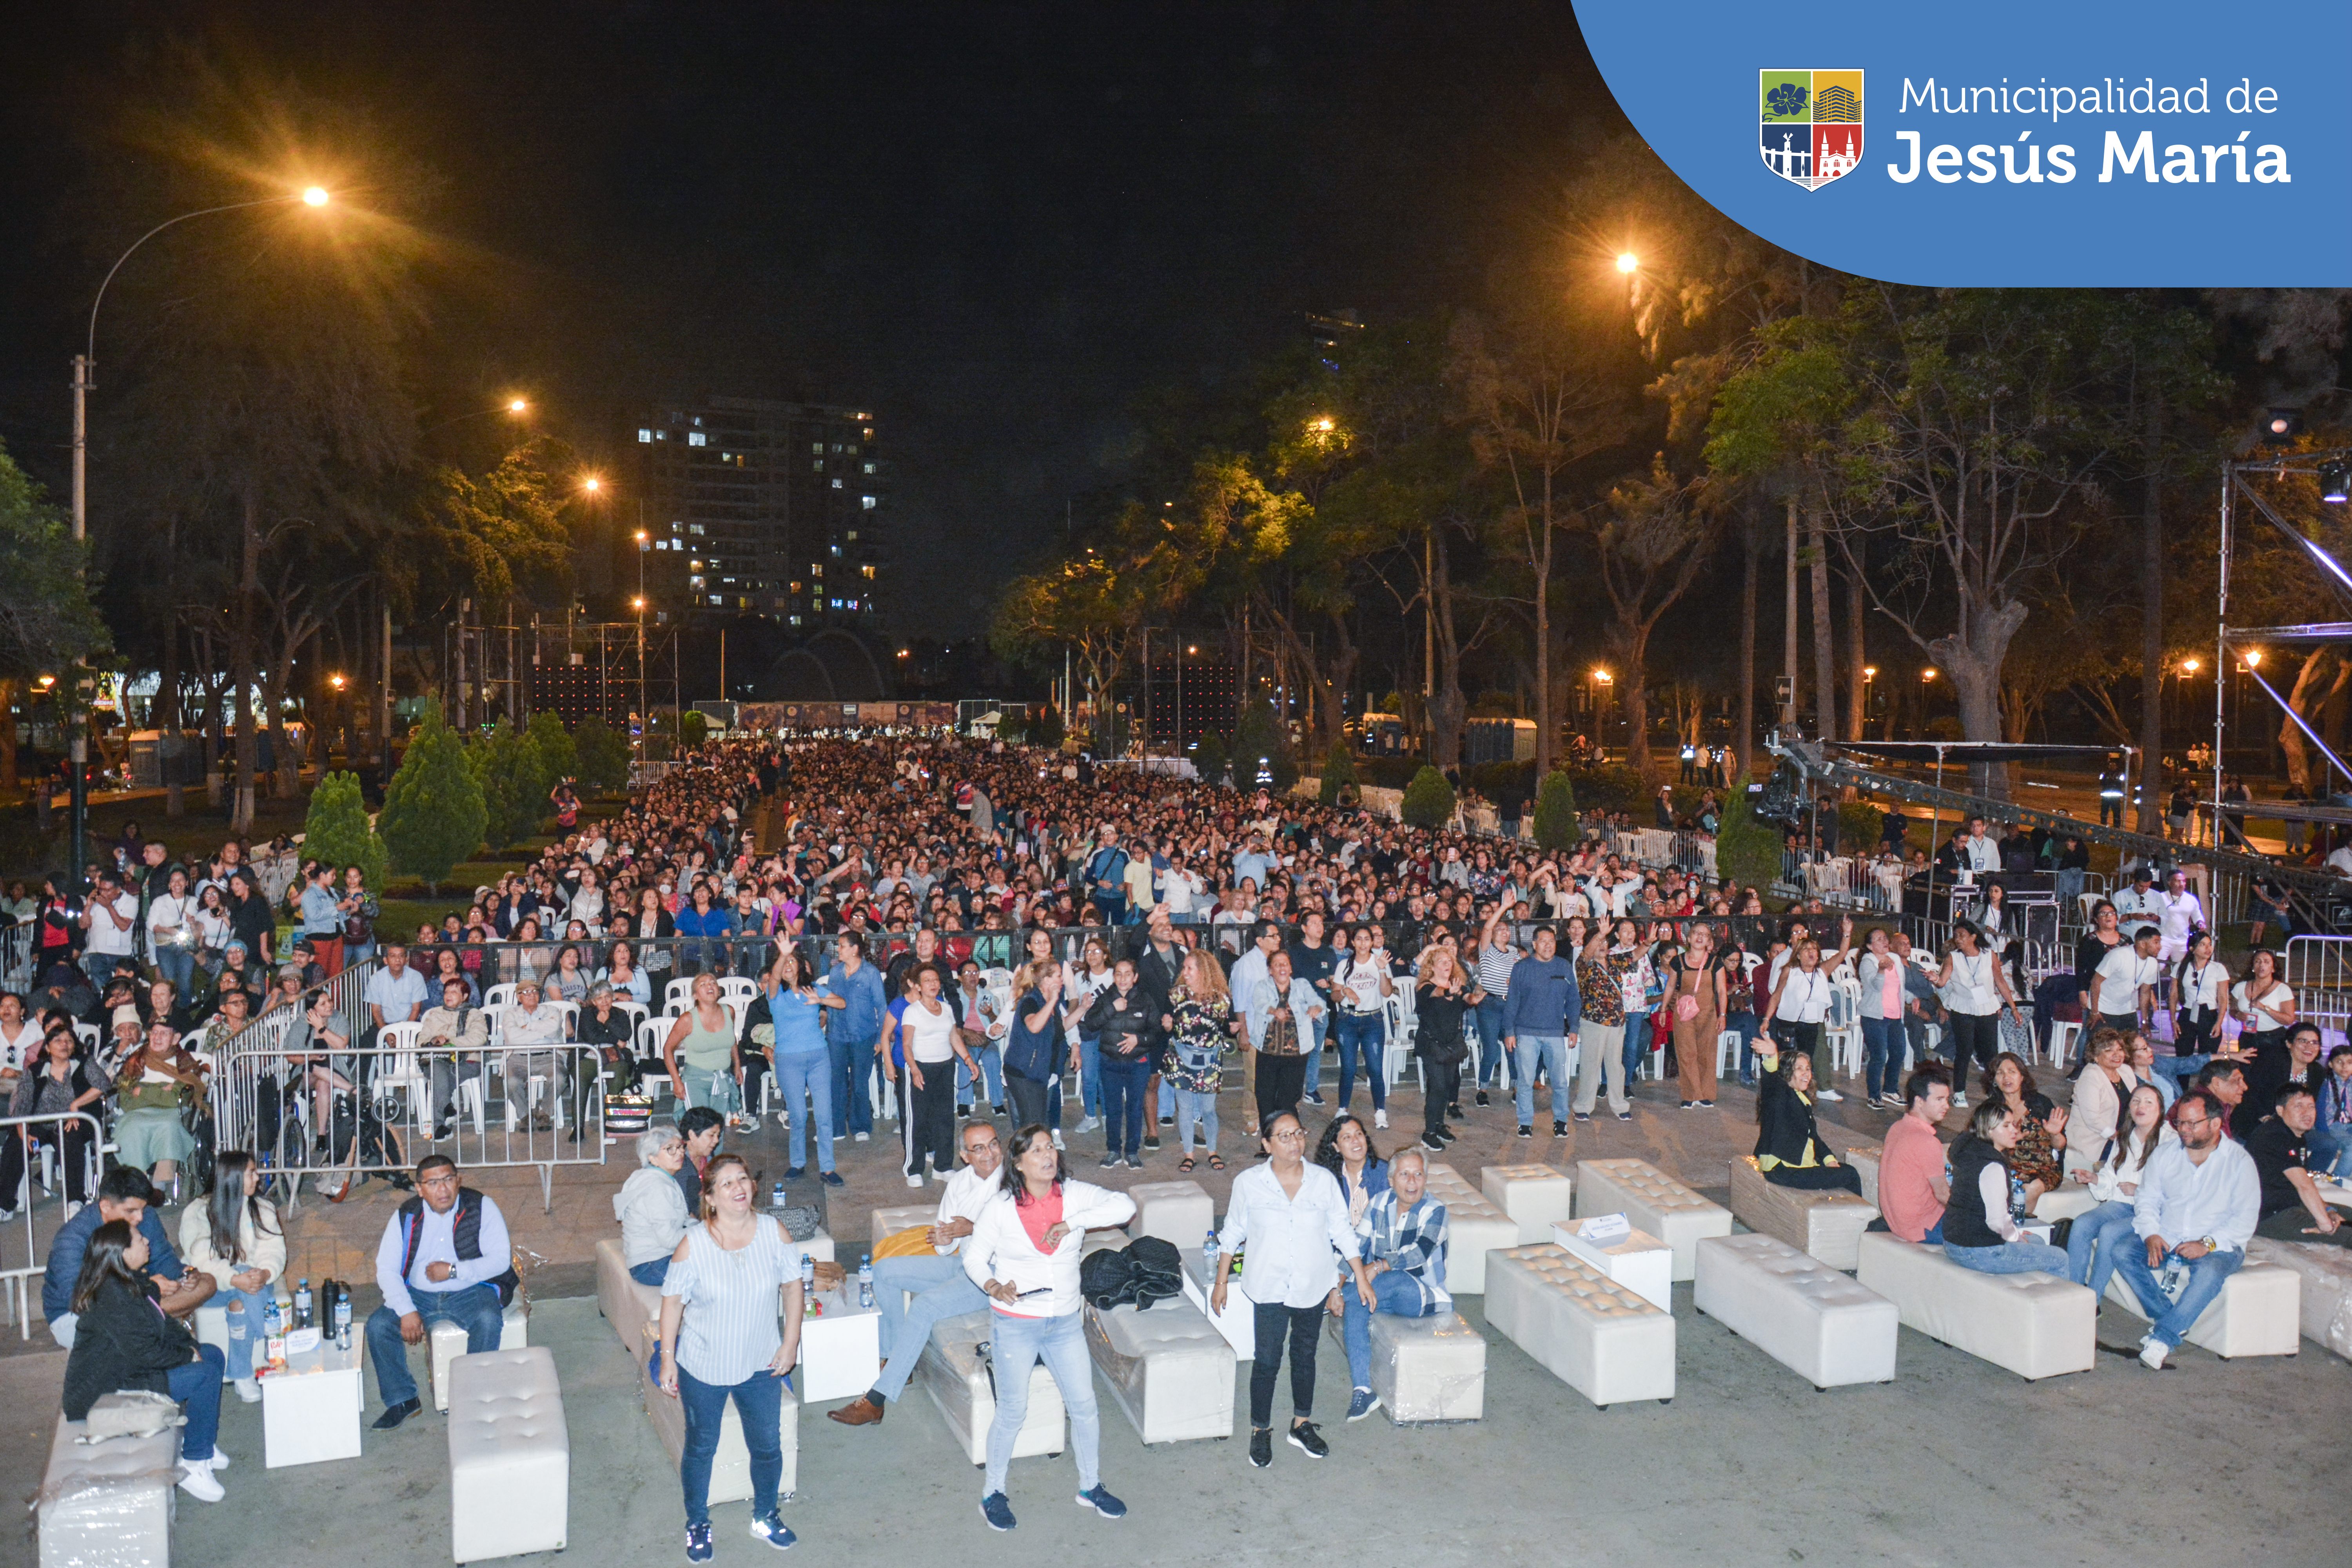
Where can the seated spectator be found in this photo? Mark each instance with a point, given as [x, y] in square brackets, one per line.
[2331, 1134]
[444, 1258]
[123, 1194]
[2041, 1125]
[2273, 1068]
[1980, 1231]
[236, 1238]
[2291, 1209]
[937, 1280]
[1789, 1150]
[2100, 1091]
[651, 1206]
[63, 1081]
[1912, 1191]
[450, 1039]
[2197, 1206]
[2226, 1082]
[149, 1087]
[2096, 1239]
[702, 1127]
[532, 1021]
[1404, 1261]
[131, 1342]
[2142, 1060]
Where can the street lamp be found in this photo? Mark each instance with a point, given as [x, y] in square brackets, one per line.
[1627, 261]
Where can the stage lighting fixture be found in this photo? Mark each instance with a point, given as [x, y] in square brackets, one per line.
[2336, 481]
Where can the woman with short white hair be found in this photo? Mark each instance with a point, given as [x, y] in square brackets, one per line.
[651, 1206]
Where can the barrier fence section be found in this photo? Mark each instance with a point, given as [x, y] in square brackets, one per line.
[24, 1245]
[2319, 972]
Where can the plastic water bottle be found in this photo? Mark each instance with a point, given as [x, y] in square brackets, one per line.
[776, 1196]
[865, 1281]
[343, 1318]
[808, 1274]
[1209, 1255]
[273, 1322]
[302, 1308]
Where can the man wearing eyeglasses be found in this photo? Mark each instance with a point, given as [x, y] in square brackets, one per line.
[2197, 1206]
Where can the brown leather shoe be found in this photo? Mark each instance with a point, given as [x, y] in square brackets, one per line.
[859, 1412]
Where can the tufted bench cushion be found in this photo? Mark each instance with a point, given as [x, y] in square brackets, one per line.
[107, 1505]
[730, 1467]
[2323, 1302]
[1651, 1200]
[894, 1217]
[2036, 1325]
[1807, 1316]
[1826, 1224]
[952, 1371]
[446, 1343]
[1424, 1369]
[1533, 1195]
[509, 1455]
[2258, 1312]
[1168, 1370]
[1474, 1227]
[1179, 1213]
[1864, 1159]
[1599, 1338]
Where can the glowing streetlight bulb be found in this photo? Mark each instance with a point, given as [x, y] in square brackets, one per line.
[336, 682]
[517, 406]
[2189, 667]
[1627, 261]
[592, 484]
[1602, 676]
[315, 196]
[1929, 673]
[636, 604]
[2253, 658]
[1322, 425]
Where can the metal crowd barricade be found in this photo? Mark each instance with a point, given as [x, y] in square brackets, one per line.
[25, 1240]
[535, 1105]
[2319, 972]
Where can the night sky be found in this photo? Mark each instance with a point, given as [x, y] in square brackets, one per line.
[996, 225]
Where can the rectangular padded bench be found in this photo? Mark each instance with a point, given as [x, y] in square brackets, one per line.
[626, 1304]
[509, 1455]
[1179, 1213]
[730, 1467]
[2036, 1325]
[1534, 1196]
[447, 1343]
[1812, 1319]
[1593, 1334]
[1864, 1159]
[952, 1373]
[107, 1505]
[890, 1220]
[2324, 1300]
[1424, 1369]
[1168, 1370]
[1651, 1200]
[1826, 1224]
[1474, 1227]
[2258, 1312]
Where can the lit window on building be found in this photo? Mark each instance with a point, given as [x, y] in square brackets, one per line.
[818, 465]
[796, 620]
[644, 433]
[836, 484]
[837, 549]
[717, 600]
[694, 528]
[869, 468]
[695, 438]
[817, 446]
[866, 503]
[851, 536]
[869, 573]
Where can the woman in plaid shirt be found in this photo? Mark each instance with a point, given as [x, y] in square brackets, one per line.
[1404, 1257]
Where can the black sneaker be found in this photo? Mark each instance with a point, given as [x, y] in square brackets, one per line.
[1560, 1128]
[1153, 1141]
[697, 1543]
[997, 1510]
[1433, 1143]
[795, 1172]
[1625, 1116]
[1526, 1132]
[393, 1415]
[1308, 1441]
[1314, 1097]
[833, 1179]
[1110, 1162]
[1482, 1096]
[1261, 1450]
[1453, 1113]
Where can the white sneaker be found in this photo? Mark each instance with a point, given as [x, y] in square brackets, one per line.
[249, 1390]
[914, 1181]
[1828, 1094]
[6, 1215]
[2152, 1352]
[1057, 1139]
[1959, 1102]
[859, 1137]
[1090, 1123]
[220, 1459]
[198, 1481]
[1379, 1121]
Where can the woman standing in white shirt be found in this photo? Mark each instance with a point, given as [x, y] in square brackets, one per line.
[1024, 1253]
[2201, 990]
[1800, 1004]
[1974, 985]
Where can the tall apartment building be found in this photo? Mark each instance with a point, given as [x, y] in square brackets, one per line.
[753, 506]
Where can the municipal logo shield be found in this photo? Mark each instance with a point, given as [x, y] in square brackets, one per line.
[1810, 124]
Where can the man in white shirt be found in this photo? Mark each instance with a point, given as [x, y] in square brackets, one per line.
[1978, 852]
[2123, 988]
[108, 916]
[444, 1258]
[2141, 901]
[395, 992]
[2197, 1206]
[2179, 913]
[937, 1284]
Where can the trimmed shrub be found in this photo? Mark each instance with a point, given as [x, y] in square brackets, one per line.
[1555, 826]
[1428, 800]
[433, 813]
[336, 830]
[1339, 772]
[1746, 851]
[602, 754]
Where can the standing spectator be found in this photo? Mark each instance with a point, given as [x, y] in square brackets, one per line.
[1796, 1016]
[852, 1033]
[2197, 1206]
[721, 1340]
[921, 1027]
[444, 1258]
[1975, 984]
[1444, 995]
[107, 923]
[1539, 1026]
[1280, 1013]
[1361, 983]
[795, 1052]
[171, 930]
[132, 1343]
[236, 1238]
[701, 1055]
[2123, 988]
[1695, 1000]
[1286, 1217]
[2179, 915]
[1125, 1022]
[1199, 1009]
[321, 920]
[1024, 1253]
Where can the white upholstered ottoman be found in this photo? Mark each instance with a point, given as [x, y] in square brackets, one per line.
[1864, 1159]
[2069, 1202]
[1424, 1369]
[1168, 1370]
[1812, 1319]
[2323, 1302]
[1651, 1200]
[1473, 1227]
[1535, 1196]
[509, 1455]
[447, 1343]
[1179, 1213]
[1599, 1338]
[1826, 1224]
[107, 1505]
[2036, 1325]
[730, 1467]
[626, 1304]
[2258, 1312]
[890, 1220]
[952, 1371]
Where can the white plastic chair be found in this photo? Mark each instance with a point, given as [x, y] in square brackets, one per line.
[400, 1072]
[2063, 1033]
[737, 989]
[1727, 1053]
[1841, 1029]
[499, 997]
[651, 1033]
[679, 995]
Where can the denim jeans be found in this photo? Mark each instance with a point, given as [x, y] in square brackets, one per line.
[1744, 1024]
[1196, 1109]
[2009, 1257]
[1399, 1295]
[852, 1099]
[1883, 1050]
[1123, 1084]
[1366, 1034]
[2179, 1068]
[811, 1075]
[2331, 1150]
[475, 1309]
[1017, 1344]
[991, 1058]
[759, 1401]
[197, 1385]
[652, 1271]
[713, 1086]
[940, 1288]
[176, 964]
[2207, 1274]
[1637, 1045]
[1552, 1051]
[2096, 1244]
[1488, 1017]
[100, 967]
[244, 1308]
[1090, 1075]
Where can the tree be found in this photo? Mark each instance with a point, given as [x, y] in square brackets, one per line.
[1555, 826]
[1339, 772]
[433, 813]
[602, 756]
[1428, 800]
[1259, 740]
[1652, 538]
[505, 767]
[1209, 758]
[1048, 728]
[336, 830]
[48, 623]
[1747, 852]
[559, 754]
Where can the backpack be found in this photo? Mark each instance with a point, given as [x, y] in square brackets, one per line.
[1145, 1270]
